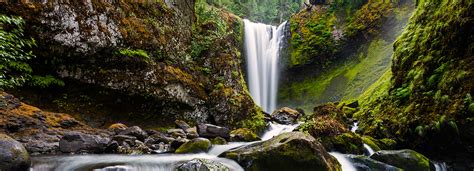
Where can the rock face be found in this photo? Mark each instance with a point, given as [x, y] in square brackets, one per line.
[13, 156]
[288, 151]
[137, 59]
[201, 165]
[136, 132]
[286, 116]
[75, 142]
[196, 145]
[364, 163]
[243, 134]
[405, 159]
[213, 131]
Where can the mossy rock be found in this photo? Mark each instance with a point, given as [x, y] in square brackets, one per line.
[13, 156]
[349, 143]
[218, 141]
[287, 151]
[201, 165]
[243, 134]
[362, 162]
[371, 142]
[408, 160]
[196, 145]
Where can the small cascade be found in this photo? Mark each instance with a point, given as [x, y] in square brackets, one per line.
[162, 162]
[345, 163]
[369, 151]
[440, 166]
[262, 50]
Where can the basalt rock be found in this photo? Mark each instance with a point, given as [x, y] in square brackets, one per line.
[135, 131]
[243, 134]
[287, 151]
[286, 116]
[212, 131]
[405, 159]
[364, 163]
[75, 142]
[201, 165]
[13, 156]
[196, 145]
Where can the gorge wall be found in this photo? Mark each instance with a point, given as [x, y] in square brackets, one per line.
[145, 62]
[342, 47]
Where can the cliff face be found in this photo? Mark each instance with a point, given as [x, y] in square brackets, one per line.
[137, 60]
[342, 47]
[427, 103]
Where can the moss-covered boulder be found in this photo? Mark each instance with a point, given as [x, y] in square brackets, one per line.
[196, 145]
[286, 115]
[287, 151]
[201, 165]
[348, 142]
[218, 141]
[408, 160]
[13, 156]
[243, 134]
[379, 144]
[364, 163]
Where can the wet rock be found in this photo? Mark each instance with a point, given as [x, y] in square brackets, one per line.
[135, 131]
[191, 133]
[159, 137]
[218, 141]
[181, 124]
[405, 159]
[160, 148]
[212, 131]
[112, 147]
[117, 128]
[243, 134]
[175, 133]
[201, 165]
[364, 163]
[196, 145]
[124, 138]
[349, 143]
[13, 156]
[74, 142]
[175, 144]
[287, 151]
[68, 123]
[286, 116]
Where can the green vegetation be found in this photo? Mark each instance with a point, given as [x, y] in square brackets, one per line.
[133, 53]
[15, 53]
[265, 11]
[427, 96]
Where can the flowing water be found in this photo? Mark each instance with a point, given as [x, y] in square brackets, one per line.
[161, 162]
[262, 50]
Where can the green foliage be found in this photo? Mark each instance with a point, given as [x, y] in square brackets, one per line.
[14, 52]
[133, 53]
[45, 81]
[208, 29]
[266, 11]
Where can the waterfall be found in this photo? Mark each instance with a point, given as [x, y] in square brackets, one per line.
[262, 49]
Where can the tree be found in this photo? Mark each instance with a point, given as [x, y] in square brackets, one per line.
[14, 53]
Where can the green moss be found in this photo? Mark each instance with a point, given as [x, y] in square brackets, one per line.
[195, 146]
[370, 142]
[134, 53]
[243, 134]
[218, 141]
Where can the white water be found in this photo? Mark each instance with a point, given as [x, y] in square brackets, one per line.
[262, 49]
[161, 162]
[345, 163]
[369, 150]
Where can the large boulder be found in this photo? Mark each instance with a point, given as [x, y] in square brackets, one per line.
[364, 163]
[74, 142]
[286, 115]
[213, 131]
[136, 132]
[243, 134]
[348, 142]
[287, 151]
[13, 156]
[405, 159]
[196, 145]
[182, 124]
[201, 165]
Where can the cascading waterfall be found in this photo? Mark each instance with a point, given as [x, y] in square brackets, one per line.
[262, 49]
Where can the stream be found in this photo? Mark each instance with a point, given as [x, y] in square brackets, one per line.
[161, 162]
